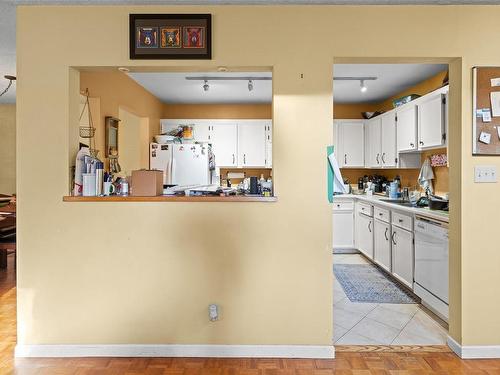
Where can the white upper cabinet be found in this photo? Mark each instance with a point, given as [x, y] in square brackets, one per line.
[431, 122]
[373, 131]
[388, 147]
[406, 125]
[350, 144]
[251, 144]
[224, 138]
[202, 131]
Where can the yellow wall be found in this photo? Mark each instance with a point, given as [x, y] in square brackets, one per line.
[133, 142]
[115, 89]
[135, 282]
[7, 148]
[217, 111]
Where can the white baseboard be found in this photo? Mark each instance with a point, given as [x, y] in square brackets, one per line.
[220, 351]
[475, 351]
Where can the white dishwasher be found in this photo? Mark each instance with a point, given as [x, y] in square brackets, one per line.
[431, 264]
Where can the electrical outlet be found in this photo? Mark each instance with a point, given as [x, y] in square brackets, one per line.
[485, 173]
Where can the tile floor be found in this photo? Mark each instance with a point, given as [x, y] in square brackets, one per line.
[356, 323]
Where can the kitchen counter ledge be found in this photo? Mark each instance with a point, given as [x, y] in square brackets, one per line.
[165, 198]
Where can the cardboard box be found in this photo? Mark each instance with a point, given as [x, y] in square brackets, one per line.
[147, 183]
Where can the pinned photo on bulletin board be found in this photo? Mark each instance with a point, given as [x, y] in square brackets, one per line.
[486, 110]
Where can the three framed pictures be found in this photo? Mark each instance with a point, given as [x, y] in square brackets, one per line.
[170, 36]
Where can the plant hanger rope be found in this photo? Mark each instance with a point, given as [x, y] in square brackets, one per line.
[89, 130]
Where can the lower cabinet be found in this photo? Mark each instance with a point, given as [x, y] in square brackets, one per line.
[364, 234]
[343, 229]
[382, 244]
[402, 255]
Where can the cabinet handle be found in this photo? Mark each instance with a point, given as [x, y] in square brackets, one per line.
[421, 143]
[345, 159]
[394, 238]
[370, 226]
[380, 214]
[378, 161]
[233, 158]
[400, 220]
[244, 158]
[385, 234]
[383, 158]
[412, 145]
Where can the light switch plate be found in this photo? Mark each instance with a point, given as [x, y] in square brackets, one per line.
[485, 174]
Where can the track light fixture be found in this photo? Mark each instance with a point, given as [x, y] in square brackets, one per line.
[363, 88]
[205, 85]
[361, 80]
[250, 85]
[10, 78]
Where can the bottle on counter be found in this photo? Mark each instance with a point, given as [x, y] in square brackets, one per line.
[99, 178]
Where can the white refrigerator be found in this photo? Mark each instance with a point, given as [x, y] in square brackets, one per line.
[183, 164]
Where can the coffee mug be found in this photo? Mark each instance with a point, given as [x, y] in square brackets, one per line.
[109, 188]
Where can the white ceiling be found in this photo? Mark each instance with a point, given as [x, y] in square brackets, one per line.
[174, 88]
[391, 79]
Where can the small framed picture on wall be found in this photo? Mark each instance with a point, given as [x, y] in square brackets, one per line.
[170, 36]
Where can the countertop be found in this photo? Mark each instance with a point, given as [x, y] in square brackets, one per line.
[377, 199]
[167, 198]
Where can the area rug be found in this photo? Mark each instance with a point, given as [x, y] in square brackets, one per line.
[368, 283]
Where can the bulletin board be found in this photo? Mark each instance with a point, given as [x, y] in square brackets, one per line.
[486, 110]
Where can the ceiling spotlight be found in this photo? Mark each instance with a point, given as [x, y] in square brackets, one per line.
[205, 86]
[362, 85]
[250, 85]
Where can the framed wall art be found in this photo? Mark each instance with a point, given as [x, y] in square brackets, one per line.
[170, 36]
[486, 110]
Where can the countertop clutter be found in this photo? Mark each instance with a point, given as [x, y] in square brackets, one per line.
[395, 204]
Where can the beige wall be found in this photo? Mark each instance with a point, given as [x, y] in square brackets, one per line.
[148, 277]
[7, 148]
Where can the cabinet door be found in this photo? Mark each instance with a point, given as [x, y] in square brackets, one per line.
[402, 255]
[202, 132]
[351, 144]
[374, 134]
[251, 144]
[225, 144]
[388, 125]
[382, 245]
[343, 229]
[431, 122]
[406, 125]
[364, 234]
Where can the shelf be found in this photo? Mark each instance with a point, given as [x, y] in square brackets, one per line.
[163, 198]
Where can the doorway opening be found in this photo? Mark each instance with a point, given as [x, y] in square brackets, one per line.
[390, 204]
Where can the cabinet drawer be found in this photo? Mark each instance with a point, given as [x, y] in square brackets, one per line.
[343, 206]
[402, 220]
[366, 209]
[382, 214]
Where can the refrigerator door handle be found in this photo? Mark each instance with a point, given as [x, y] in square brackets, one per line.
[172, 171]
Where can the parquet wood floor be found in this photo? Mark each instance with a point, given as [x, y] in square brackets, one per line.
[370, 361]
